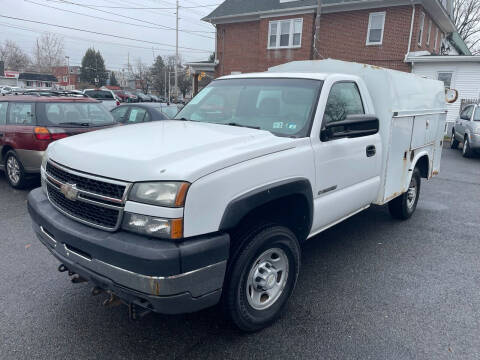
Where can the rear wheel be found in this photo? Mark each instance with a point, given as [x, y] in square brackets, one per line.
[453, 141]
[14, 171]
[261, 276]
[405, 205]
[467, 150]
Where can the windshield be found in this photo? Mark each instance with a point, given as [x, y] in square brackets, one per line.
[476, 117]
[81, 113]
[99, 94]
[282, 106]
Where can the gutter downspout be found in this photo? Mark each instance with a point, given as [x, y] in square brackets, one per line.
[411, 31]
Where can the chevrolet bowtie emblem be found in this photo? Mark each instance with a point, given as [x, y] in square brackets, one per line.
[70, 191]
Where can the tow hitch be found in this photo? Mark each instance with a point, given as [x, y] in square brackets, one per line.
[135, 311]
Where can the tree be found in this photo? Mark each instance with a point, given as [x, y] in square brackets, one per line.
[93, 69]
[13, 57]
[143, 75]
[113, 80]
[48, 52]
[158, 75]
[466, 15]
[184, 82]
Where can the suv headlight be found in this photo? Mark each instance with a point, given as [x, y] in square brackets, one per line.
[169, 194]
[152, 226]
[43, 169]
[44, 160]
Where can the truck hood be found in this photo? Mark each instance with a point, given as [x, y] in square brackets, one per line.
[164, 150]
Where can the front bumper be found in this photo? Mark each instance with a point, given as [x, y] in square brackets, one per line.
[163, 276]
[475, 141]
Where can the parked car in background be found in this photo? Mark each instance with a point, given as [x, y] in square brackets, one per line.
[29, 123]
[137, 113]
[107, 97]
[154, 98]
[6, 90]
[466, 130]
[170, 110]
[142, 97]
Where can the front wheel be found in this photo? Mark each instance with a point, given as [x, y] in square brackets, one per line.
[261, 277]
[405, 205]
[467, 150]
[14, 170]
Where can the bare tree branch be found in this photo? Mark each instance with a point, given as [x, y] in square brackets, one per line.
[466, 15]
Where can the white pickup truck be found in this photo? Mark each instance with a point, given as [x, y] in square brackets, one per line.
[178, 215]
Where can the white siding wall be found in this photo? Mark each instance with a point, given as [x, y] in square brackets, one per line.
[466, 79]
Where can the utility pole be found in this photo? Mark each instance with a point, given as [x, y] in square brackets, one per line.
[176, 58]
[165, 93]
[316, 37]
[68, 71]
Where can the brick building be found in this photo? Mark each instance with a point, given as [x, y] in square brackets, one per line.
[253, 35]
[64, 79]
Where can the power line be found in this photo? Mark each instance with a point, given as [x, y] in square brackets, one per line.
[99, 33]
[129, 17]
[93, 40]
[148, 8]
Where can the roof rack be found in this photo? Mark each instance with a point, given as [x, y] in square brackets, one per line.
[55, 93]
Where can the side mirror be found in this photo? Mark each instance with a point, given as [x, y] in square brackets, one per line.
[353, 126]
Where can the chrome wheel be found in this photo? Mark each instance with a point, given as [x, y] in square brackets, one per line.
[267, 279]
[13, 170]
[412, 193]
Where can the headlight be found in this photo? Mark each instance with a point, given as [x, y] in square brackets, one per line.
[42, 172]
[152, 226]
[169, 194]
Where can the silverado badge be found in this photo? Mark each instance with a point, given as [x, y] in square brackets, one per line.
[70, 191]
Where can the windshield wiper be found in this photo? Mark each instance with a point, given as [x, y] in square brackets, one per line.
[241, 125]
[75, 123]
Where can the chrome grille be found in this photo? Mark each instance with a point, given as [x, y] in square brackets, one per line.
[95, 201]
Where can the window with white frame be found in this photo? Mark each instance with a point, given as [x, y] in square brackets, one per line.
[376, 26]
[421, 28]
[436, 40]
[284, 34]
[429, 34]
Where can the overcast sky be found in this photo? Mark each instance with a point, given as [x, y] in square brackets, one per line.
[115, 51]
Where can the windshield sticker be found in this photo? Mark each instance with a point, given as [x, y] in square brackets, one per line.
[291, 126]
[278, 125]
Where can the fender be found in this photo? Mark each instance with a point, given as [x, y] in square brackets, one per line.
[417, 156]
[241, 206]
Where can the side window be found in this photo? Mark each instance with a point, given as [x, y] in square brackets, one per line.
[119, 113]
[475, 118]
[147, 117]
[344, 100]
[22, 114]
[136, 115]
[3, 112]
[467, 113]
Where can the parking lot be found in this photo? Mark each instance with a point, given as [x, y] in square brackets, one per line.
[370, 288]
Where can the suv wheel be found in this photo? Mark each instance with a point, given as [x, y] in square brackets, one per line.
[467, 151]
[405, 205]
[14, 171]
[453, 141]
[261, 277]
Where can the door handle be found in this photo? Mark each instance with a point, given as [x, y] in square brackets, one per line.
[371, 150]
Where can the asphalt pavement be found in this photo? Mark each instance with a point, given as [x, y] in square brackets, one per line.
[369, 288]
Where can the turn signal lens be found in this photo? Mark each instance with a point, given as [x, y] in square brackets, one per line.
[42, 133]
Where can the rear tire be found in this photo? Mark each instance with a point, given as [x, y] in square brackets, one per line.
[467, 150]
[453, 142]
[14, 171]
[261, 276]
[404, 206]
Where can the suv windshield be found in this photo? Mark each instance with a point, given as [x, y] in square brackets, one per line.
[99, 94]
[81, 113]
[282, 106]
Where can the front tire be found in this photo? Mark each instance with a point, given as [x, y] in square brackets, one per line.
[467, 150]
[404, 206]
[261, 276]
[14, 171]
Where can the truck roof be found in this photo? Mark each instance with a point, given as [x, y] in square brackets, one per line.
[286, 75]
